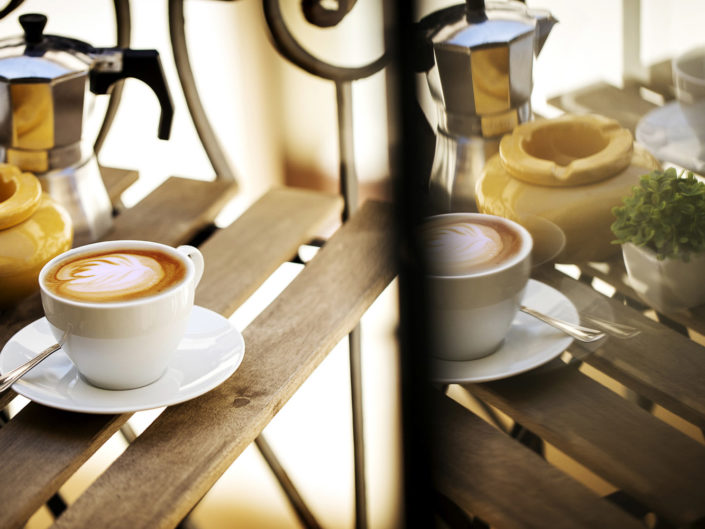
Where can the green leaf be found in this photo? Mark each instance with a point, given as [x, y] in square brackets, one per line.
[665, 212]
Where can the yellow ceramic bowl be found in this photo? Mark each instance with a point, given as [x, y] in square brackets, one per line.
[560, 178]
[36, 229]
[20, 194]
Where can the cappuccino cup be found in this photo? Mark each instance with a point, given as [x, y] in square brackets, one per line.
[478, 267]
[121, 306]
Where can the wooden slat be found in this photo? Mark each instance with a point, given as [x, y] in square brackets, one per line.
[659, 363]
[181, 455]
[661, 80]
[492, 476]
[285, 218]
[42, 447]
[614, 273]
[627, 446]
[623, 104]
[174, 212]
[117, 181]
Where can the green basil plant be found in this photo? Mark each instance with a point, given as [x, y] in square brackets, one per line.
[666, 213]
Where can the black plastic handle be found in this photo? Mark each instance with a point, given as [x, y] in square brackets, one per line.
[33, 25]
[427, 27]
[146, 66]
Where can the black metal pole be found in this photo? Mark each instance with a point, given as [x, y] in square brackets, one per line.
[209, 140]
[349, 190]
[407, 163]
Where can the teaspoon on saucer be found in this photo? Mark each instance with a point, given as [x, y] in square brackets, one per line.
[583, 334]
[14, 375]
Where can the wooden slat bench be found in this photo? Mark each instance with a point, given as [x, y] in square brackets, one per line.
[44, 446]
[165, 471]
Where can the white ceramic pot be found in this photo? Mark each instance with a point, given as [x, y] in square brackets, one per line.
[669, 284]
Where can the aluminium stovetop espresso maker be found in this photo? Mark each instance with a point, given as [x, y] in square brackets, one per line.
[478, 58]
[47, 84]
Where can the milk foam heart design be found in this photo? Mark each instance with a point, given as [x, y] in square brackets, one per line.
[115, 275]
[110, 273]
[464, 244]
[461, 246]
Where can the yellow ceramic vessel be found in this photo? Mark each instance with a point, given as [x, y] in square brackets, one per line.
[560, 178]
[33, 230]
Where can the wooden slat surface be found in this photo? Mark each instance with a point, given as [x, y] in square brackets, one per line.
[190, 445]
[117, 181]
[492, 476]
[179, 457]
[623, 104]
[284, 219]
[179, 208]
[42, 447]
[659, 363]
[614, 273]
[616, 439]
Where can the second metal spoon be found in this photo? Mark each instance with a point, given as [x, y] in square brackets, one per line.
[584, 334]
[13, 376]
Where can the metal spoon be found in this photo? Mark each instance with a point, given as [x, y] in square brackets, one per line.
[618, 330]
[13, 376]
[584, 334]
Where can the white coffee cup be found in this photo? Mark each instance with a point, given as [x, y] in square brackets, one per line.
[123, 344]
[473, 301]
[689, 82]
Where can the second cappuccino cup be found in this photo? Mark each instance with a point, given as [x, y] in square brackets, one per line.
[478, 268]
[123, 307]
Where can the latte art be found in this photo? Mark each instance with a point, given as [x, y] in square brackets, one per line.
[458, 247]
[115, 275]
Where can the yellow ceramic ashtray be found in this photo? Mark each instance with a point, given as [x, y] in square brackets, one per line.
[560, 178]
[33, 230]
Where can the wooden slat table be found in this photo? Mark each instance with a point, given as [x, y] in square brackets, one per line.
[179, 457]
[597, 406]
[654, 464]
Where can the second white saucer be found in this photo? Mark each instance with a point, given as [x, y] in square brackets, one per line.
[529, 343]
[671, 137]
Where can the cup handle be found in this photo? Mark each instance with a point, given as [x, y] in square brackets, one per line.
[196, 256]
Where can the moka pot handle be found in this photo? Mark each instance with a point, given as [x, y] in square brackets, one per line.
[114, 64]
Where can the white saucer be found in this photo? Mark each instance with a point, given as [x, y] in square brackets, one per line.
[670, 137]
[529, 343]
[209, 353]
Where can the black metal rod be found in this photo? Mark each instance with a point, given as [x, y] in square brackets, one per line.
[123, 28]
[287, 46]
[346, 148]
[10, 7]
[209, 140]
[354, 342]
[349, 190]
[302, 511]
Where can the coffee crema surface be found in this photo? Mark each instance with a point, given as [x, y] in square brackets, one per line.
[115, 275]
[457, 247]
